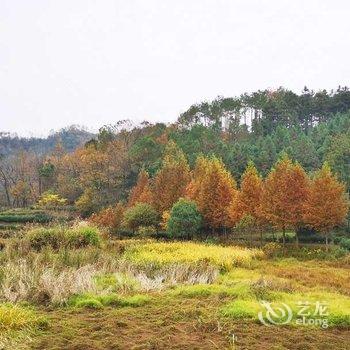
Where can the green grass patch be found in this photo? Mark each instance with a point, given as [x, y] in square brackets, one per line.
[115, 300]
[336, 312]
[239, 309]
[14, 317]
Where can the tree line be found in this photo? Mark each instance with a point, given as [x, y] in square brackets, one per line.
[184, 201]
[103, 172]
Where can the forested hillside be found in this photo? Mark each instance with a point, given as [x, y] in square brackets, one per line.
[311, 128]
[70, 138]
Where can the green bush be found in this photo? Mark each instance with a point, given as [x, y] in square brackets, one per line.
[43, 237]
[345, 243]
[141, 214]
[185, 219]
[82, 237]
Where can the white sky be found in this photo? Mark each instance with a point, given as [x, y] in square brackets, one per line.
[91, 62]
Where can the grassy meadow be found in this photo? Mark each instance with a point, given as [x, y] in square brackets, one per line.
[72, 286]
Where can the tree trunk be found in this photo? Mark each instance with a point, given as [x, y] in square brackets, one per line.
[296, 240]
[261, 237]
[40, 186]
[7, 193]
[284, 239]
[327, 243]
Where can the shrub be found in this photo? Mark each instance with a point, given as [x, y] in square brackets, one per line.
[110, 217]
[82, 236]
[88, 202]
[271, 249]
[57, 237]
[42, 237]
[345, 243]
[165, 220]
[185, 219]
[146, 231]
[50, 199]
[141, 214]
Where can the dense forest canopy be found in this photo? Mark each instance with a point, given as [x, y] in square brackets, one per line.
[311, 128]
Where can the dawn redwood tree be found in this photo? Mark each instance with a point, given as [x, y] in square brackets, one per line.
[284, 194]
[141, 192]
[172, 179]
[212, 188]
[247, 202]
[326, 204]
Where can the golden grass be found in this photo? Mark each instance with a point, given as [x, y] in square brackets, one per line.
[161, 254]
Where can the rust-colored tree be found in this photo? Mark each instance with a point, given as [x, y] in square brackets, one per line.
[172, 179]
[110, 218]
[213, 189]
[247, 202]
[326, 205]
[141, 192]
[284, 194]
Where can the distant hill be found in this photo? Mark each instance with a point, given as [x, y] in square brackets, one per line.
[70, 138]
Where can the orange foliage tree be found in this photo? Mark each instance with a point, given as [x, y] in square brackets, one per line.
[247, 201]
[172, 179]
[141, 192]
[212, 188]
[326, 204]
[284, 195]
[110, 217]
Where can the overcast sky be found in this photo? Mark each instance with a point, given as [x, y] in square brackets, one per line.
[88, 62]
